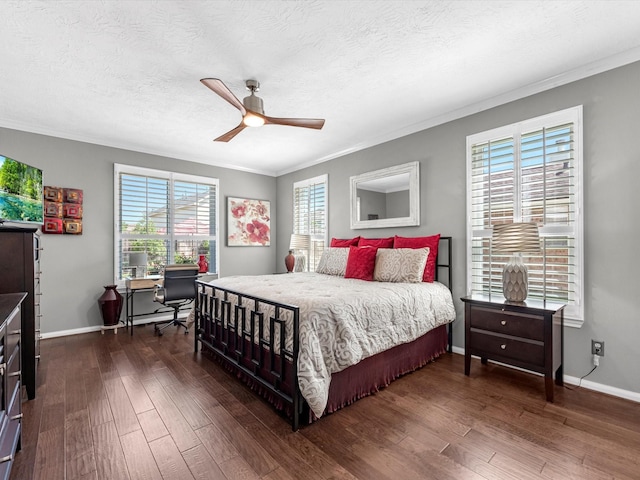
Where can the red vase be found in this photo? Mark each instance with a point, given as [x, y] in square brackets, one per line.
[203, 264]
[289, 261]
[110, 305]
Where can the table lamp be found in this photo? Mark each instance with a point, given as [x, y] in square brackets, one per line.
[298, 242]
[138, 260]
[515, 238]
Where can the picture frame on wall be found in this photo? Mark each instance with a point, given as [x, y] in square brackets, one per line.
[248, 222]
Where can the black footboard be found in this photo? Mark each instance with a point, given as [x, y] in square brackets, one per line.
[255, 336]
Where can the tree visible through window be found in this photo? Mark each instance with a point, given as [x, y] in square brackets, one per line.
[529, 172]
[171, 217]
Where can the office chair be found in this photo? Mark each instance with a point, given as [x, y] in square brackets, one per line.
[178, 289]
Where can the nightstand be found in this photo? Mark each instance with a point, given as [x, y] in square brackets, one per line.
[527, 335]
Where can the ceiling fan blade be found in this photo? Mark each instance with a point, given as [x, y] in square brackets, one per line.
[221, 89]
[231, 133]
[316, 123]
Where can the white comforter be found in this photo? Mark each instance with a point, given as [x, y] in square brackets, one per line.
[343, 321]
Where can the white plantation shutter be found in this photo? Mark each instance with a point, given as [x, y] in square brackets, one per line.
[529, 172]
[171, 217]
[310, 215]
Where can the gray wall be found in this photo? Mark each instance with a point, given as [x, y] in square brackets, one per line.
[76, 267]
[372, 203]
[611, 103]
[398, 204]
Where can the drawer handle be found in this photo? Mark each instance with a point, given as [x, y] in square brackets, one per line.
[16, 332]
[37, 357]
[16, 417]
[503, 346]
[503, 322]
[6, 459]
[15, 374]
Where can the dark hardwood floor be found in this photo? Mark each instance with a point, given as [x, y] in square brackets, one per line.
[144, 407]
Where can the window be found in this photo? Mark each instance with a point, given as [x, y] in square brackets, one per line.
[310, 215]
[529, 172]
[171, 217]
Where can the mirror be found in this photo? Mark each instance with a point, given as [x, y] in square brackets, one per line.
[386, 198]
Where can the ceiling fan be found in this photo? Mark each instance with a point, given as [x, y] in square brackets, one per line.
[252, 110]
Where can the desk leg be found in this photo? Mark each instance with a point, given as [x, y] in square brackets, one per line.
[130, 310]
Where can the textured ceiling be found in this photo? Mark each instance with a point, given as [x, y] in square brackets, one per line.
[126, 73]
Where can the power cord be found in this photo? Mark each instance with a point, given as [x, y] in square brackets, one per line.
[584, 376]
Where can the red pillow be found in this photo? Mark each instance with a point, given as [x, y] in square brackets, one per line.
[361, 263]
[421, 242]
[376, 242]
[338, 242]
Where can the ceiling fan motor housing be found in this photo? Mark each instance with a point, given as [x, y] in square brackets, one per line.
[253, 103]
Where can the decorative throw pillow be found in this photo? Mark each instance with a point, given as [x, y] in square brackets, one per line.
[361, 263]
[402, 265]
[347, 242]
[376, 242]
[421, 242]
[333, 261]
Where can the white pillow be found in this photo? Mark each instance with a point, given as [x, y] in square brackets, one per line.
[400, 265]
[333, 261]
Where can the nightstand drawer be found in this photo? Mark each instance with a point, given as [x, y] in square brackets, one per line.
[508, 323]
[509, 348]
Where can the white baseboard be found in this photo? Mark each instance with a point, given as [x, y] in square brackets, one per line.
[598, 387]
[97, 328]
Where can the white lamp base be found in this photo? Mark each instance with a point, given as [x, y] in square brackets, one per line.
[515, 282]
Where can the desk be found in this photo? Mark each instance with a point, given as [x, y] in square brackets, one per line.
[134, 285]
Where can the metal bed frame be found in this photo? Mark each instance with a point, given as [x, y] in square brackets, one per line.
[226, 329]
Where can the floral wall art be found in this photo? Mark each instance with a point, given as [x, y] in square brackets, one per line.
[248, 222]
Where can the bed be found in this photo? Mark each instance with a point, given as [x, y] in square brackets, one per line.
[311, 343]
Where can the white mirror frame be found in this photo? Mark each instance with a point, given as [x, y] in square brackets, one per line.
[413, 169]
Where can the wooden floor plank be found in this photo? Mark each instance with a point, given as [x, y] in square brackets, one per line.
[50, 454]
[140, 461]
[169, 412]
[79, 453]
[138, 396]
[170, 463]
[152, 425]
[202, 465]
[124, 415]
[109, 456]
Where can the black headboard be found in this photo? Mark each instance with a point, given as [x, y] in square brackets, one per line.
[444, 261]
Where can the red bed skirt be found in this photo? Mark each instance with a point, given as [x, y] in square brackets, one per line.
[374, 373]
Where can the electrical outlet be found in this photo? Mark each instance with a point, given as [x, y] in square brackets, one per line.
[597, 348]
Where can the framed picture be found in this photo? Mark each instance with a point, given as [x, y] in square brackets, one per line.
[248, 222]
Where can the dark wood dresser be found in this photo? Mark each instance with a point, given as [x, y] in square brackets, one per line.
[20, 272]
[528, 335]
[10, 384]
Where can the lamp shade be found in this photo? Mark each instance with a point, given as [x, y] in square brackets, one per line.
[516, 238]
[299, 242]
[138, 259]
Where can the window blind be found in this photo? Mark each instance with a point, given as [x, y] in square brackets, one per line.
[529, 172]
[310, 215]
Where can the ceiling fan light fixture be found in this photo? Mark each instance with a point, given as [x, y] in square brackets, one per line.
[253, 120]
